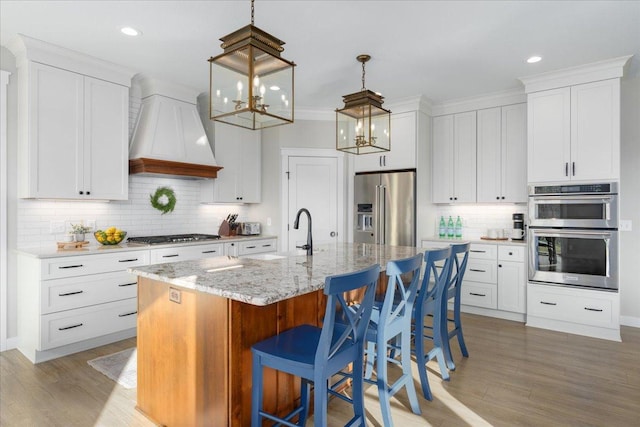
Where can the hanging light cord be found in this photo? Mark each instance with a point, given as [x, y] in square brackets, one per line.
[252, 10]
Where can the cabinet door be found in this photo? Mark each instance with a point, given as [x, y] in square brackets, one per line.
[548, 121]
[489, 159]
[464, 157]
[512, 286]
[514, 153]
[403, 147]
[106, 134]
[250, 176]
[595, 130]
[55, 152]
[442, 161]
[227, 153]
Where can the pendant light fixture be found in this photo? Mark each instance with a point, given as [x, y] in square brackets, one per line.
[250, 84]
[363, 126]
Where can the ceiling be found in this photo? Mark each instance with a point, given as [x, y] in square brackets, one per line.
[444, 50]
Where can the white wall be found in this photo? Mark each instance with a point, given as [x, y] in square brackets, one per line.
[630, 202]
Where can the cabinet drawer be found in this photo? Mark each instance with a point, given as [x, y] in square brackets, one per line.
[185, 253]
[71, 326]
[479, 294]
[76, 292]
[481, 271]
[511, 253]
[55, 268]
[481, 251]
[256, 246]
[584, 307]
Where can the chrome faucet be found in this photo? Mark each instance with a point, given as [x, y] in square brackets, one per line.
[309, 245]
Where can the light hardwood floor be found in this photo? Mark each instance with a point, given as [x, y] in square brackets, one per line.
[514, 376]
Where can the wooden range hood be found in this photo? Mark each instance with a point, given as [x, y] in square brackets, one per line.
[169, 138]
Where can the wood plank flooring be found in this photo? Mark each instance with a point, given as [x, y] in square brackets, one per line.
[515, 376]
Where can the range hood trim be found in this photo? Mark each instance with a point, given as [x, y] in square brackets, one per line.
[148, 166]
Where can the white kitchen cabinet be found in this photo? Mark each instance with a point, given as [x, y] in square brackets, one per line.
[479, 287]
[574, 132]
[574, 310]
[501, 154]
[238, 152]
[512, 281]
[185, 253]
[78, 301]
[454, 158]
[75, 138]
[403, 147]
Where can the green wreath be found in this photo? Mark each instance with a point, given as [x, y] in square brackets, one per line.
[164, 199]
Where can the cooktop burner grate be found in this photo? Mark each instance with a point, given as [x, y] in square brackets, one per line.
[172, 238]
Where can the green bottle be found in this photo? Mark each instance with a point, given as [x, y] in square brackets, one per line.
[442, 229]
[450, 229]
[458, 228]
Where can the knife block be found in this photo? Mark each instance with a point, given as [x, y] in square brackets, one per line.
[226, 230]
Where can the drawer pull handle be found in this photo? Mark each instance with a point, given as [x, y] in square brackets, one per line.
[477, 295]
[478, 252]
[70, 266]
[209, 252]
[548, 303]
[478, 271]
[70, 293]
[593, 309]
[127, 284]
[170, 256]
[128, 260]
[266, 246]
[251, 247]
[127, 314]
[70, 327]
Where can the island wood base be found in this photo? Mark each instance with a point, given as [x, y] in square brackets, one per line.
[194, 356]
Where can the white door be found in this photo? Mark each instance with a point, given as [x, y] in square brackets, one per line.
[314, 184]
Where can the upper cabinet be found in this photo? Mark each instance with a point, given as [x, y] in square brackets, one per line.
[72, 127]
[238, 151]
[502, 154]
[454, 158]
[403, 147]
[574, 123]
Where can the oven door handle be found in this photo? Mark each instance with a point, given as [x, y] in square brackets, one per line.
[582, 234]
[566, 200]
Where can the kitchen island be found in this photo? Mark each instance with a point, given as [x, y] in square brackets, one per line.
[198, 319]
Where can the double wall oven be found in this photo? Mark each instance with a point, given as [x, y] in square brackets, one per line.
[573, 235]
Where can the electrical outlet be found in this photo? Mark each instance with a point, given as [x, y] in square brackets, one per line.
[91, 223]
[56, 227]
[625, 225]
[269, 222]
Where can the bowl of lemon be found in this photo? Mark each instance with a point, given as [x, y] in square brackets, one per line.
[110, 236]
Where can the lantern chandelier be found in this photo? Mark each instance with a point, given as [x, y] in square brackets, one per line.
[251, 86]
[363, 126]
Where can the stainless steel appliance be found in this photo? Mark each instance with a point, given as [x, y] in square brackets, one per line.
[574, 205]
[573, 235]
[385, 209]
[172, 238]
[249, 228]
[518, 226]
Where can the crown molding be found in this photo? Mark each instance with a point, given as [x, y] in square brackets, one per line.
[601, 70]
[491, 100]
[27, 49]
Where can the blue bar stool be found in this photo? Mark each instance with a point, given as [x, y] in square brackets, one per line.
[316, 354]
[429, 303]
[454, 292]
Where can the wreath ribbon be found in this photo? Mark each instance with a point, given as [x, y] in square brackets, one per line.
[164, 200]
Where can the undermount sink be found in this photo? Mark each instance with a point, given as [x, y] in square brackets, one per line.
[264, 257]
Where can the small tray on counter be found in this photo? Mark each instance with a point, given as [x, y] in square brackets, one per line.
[493, 238]
[72, 245]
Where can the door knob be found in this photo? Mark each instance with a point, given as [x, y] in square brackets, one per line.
[333, 234]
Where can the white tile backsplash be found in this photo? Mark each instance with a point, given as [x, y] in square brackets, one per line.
[136, 215]
[477, 219]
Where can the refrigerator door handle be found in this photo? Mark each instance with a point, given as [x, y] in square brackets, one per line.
[376, 218]
[382, 220]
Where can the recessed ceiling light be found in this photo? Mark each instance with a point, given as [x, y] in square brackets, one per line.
[534, 59]
[129, 31]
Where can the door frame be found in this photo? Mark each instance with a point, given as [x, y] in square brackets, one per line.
[4, 196]
[285, 153]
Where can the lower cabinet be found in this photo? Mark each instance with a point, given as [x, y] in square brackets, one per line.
[186, 253]
[579, 311]
[76, 301]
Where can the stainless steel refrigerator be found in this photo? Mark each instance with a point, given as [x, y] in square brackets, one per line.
[385, 208]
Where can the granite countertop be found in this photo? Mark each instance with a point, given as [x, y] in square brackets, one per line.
[264, 279]
[476, 240]
[49, 250]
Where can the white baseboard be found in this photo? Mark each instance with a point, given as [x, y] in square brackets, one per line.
[630, 321]
[11, 343]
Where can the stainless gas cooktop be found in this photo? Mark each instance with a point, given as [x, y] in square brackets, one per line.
[172, 238]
